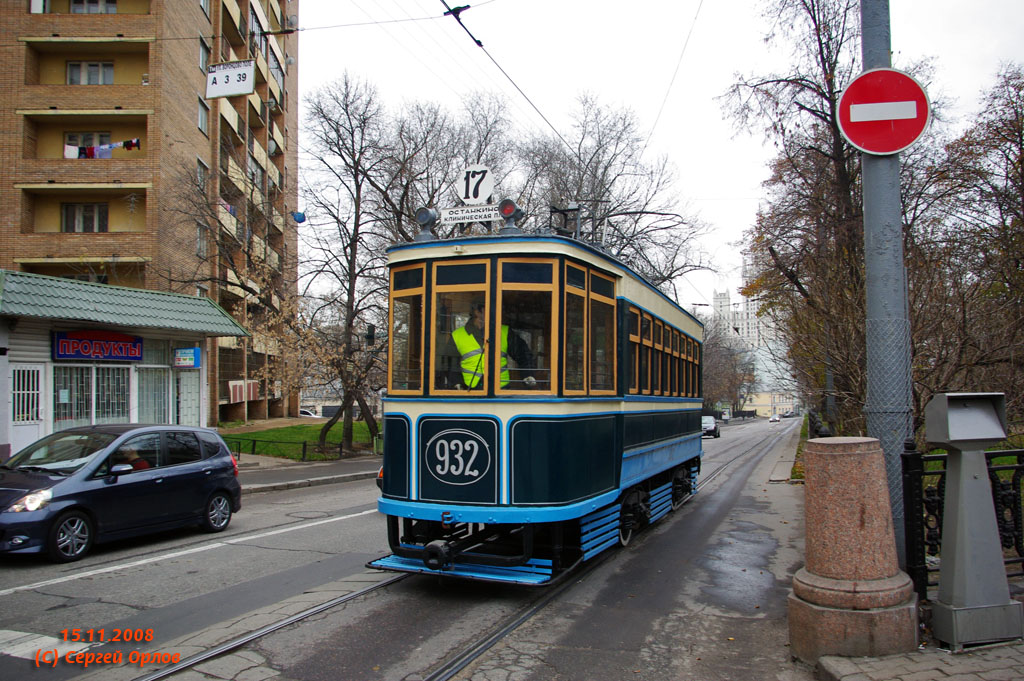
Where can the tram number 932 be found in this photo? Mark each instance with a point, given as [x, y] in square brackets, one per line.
[457, 457]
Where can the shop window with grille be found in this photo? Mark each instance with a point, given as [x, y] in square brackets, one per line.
[113, 394]
[72, 396]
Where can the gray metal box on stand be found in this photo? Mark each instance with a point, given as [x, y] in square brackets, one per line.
[974, 604]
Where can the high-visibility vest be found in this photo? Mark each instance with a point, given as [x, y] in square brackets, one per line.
[472, 357]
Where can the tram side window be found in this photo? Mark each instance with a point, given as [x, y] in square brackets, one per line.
[602, 346]
[575, 332]
[646, 329]
[407, 330]
[633, 347]
[696, 370]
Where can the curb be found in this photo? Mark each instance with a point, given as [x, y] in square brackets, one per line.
[308, 482]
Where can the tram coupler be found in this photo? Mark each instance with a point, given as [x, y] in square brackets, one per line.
[437, 555]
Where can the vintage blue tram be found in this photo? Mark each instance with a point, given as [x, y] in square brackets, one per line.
[543, 402]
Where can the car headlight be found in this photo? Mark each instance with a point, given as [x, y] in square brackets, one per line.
[31, 502]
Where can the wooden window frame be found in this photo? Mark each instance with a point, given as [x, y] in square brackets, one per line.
[484, 290]
[657, 354]
[406, 293]
[646, 346]
[593, 297]
[556, 342]
[632, 386]
[582, 294]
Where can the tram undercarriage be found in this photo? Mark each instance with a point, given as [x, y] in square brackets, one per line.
[532, 553]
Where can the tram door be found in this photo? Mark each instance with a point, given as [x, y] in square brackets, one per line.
[26, 404]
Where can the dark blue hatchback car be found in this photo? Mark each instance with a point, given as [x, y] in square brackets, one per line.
[84, 485]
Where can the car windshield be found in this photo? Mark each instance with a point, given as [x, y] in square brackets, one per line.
[61, 452]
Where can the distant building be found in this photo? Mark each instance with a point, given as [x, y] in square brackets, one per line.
[105, 114]
[774, 382]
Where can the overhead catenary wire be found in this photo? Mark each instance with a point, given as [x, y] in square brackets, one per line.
[672, 80]
[455, 15]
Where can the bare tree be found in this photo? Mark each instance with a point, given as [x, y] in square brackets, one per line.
[627, 203]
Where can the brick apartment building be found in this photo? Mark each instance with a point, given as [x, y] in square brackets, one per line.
[114, 168]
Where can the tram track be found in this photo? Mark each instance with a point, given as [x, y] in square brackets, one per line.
[459, 660]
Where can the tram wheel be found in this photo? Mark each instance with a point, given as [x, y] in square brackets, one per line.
[681, 487]
[629, 516]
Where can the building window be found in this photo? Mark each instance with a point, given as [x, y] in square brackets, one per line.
[86, 139]
[202, 173]
[94, 6]
[90, 73]
[201, 249]
[256, 173]
[84, 217]
[204, 117]
[91, 277]
[204, 55]
[205, 4]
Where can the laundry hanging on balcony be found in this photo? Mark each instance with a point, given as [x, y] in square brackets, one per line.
[100, 150]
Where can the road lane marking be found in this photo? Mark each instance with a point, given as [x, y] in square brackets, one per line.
[25, 645]
[178, 554]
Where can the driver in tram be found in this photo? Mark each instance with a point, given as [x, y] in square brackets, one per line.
[467, 346]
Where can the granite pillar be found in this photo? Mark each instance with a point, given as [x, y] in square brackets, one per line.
[850, 598]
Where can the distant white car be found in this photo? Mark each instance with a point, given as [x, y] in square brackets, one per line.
[775, 418]
[710, 426]
[306, 412]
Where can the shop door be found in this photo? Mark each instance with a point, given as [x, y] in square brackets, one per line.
[26, 404]
[188, 397]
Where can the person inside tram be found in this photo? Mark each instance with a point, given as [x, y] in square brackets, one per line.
[467, 353]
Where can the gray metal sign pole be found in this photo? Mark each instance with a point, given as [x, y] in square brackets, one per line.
[887, 328]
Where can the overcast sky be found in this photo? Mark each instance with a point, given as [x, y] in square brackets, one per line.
[627, 54]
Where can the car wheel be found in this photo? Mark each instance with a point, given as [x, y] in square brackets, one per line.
[217, 514]
[70, 537]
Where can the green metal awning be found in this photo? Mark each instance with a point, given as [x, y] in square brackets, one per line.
[43, 297]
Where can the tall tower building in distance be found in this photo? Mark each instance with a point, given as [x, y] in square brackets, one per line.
[116, 169]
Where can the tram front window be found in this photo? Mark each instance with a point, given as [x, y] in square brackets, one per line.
[526, 340]
[460, 362]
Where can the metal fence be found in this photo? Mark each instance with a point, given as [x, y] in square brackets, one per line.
[299, 451]
[924, 490]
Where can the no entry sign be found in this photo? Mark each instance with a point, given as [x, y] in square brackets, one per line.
[883, 111]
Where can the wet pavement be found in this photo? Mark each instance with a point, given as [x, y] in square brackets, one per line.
[739, 631]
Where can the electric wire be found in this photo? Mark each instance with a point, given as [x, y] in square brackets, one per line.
[494, 61]
[675, 73]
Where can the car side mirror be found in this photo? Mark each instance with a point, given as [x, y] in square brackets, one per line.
[121, 469]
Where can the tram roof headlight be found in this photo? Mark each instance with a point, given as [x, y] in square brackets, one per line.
[426, 217]
[509, 209]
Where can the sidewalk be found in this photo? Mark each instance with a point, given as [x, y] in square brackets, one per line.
[259, 473]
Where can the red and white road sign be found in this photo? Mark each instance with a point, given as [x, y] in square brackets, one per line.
[883, 111]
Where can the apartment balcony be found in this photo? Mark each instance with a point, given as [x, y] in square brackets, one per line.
[257, 111]
[277, 220]
[233, 120]
[228, 222]
[277, 137]
[231, 342]
[257, 152]
[275, 89]
[132, 18]
[235, 175]
[234, 23]
[274, 15]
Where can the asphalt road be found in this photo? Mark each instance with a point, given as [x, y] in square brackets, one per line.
[281, 544]
[700, 595]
